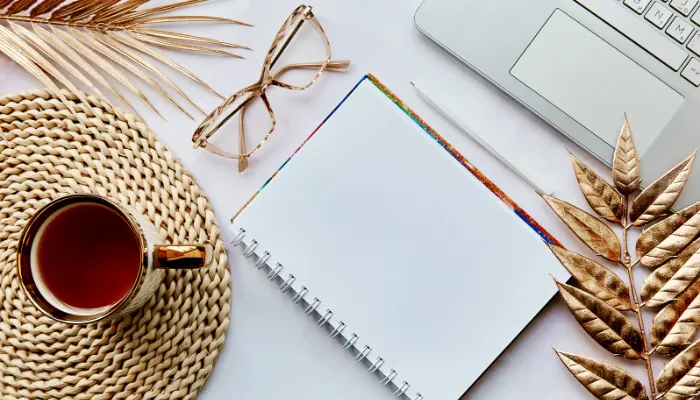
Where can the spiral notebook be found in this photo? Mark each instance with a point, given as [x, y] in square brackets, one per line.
[402, 250]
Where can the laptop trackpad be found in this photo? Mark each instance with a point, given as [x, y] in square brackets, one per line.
[594, 83]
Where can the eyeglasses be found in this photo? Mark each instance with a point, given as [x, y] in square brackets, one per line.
[298, 76]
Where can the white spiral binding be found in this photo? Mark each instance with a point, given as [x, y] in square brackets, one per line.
[312, 307]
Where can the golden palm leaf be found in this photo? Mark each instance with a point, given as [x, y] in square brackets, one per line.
[87, 39]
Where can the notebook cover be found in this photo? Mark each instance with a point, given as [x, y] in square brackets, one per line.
[333, 297]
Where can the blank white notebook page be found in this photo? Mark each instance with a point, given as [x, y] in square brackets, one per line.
[405, 246]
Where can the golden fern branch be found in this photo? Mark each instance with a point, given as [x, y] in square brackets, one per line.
[89, 40]
[671, 246]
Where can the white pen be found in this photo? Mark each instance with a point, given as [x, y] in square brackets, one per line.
[445, 111]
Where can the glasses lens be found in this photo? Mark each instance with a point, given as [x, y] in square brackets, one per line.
[299, 61]
[256, 126]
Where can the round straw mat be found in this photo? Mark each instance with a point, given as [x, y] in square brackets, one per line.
[167, 349]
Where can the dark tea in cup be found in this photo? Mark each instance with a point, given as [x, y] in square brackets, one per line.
[86, 256]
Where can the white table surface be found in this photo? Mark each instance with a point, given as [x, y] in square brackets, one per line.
[272, 350]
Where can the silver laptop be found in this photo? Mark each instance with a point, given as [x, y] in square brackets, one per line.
[581, 64]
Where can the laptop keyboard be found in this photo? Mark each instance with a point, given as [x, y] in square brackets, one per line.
[668, 29]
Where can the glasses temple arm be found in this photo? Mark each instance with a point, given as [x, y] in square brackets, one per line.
[242, 162]
[333, 65]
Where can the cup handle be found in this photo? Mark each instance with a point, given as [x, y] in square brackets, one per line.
[190, 256]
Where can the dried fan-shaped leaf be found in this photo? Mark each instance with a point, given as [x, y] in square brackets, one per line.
[19, 6]
[186, 37]
[174, 44]
[136, 14]
[68, 10]
[673, 243]
[604, 324]
[90, 17]
[104, 65]
[135, 44]
[20, 57]
[77, 59]
[595, 278]
[680, 281]
[657, 233]
[659, 197]
[58, 58]
[655, 291]
[627, 175]
[190, 18]
[600, 195]
[91, 42]
[594, 233]
[603, 380]
[44, 7]
[680, 377]
[43, 63]
[118, 10]
[126, 52]
[674, 326]
[93, 9]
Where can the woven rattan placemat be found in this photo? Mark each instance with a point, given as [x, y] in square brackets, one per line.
[167, 349]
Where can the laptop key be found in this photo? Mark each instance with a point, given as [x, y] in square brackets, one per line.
[684, 6]
[694, 44]
[637, 31]
[679, 30]
[691, 72]
[637, 5]
[696, 17]
[659, 15]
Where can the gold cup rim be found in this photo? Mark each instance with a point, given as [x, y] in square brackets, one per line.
[24, 266]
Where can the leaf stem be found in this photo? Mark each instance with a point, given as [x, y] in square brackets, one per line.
[626, 262]
[637, 310]
[626, 259]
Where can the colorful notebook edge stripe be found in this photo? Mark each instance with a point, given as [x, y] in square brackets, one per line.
[546, 236]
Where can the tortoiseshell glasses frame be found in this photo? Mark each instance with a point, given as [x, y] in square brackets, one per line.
[244, 97]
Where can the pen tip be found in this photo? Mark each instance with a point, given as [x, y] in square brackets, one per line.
[413, 84]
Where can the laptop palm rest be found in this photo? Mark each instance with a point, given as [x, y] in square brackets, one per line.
[594, 83]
